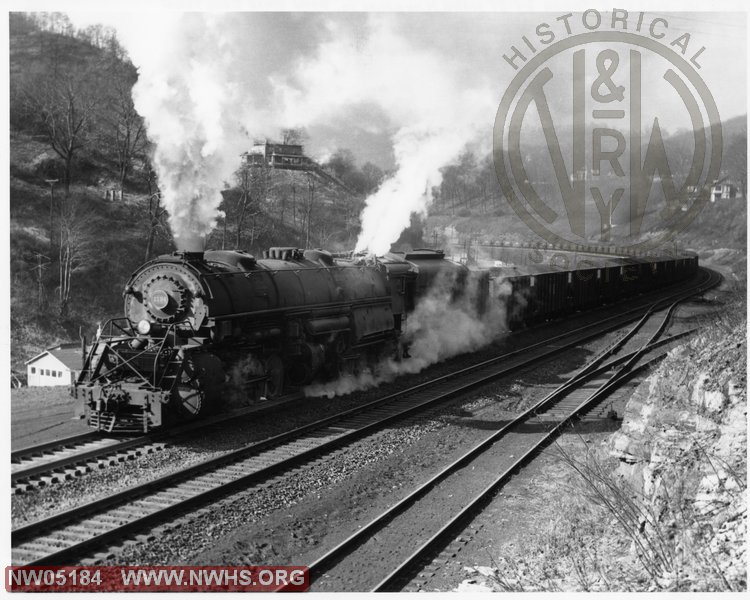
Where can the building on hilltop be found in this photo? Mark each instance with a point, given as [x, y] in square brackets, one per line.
[289, 157]
[725, 189]
[282, 156]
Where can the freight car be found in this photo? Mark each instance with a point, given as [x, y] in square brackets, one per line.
[193, 320]
[544, 293]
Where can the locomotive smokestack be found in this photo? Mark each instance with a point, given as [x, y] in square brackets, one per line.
[189, 246]
[189, 243]
[190, 256]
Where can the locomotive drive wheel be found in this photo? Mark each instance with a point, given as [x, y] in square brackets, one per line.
[335, 364]
[275, 374]
[198, 391]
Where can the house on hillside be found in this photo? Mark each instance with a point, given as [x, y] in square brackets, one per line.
[277, 156]
[290, 157]
[59, 365]
[725, 189]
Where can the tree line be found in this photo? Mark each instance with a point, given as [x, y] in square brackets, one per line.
[305, 208]
[76, 99]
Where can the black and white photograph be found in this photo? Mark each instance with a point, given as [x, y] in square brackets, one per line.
[376, 296]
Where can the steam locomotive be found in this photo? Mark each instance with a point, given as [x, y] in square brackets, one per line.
[194, 320]
[287, 319]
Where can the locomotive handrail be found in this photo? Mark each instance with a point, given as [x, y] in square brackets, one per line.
[89, 356]
[110, 336]
[126, 362]
[158, 355]
[171, 328]
[303, 308]
[113, 322]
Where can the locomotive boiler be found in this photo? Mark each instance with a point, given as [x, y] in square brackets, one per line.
[192, 318]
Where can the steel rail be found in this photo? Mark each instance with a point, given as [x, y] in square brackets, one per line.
[70, 462]
[474, 507]
[319, 566]
[73, 440]
[19, 455]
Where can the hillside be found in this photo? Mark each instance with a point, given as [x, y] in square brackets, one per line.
[85, 211]
[469, 208]
[110, 240]
[82, 221]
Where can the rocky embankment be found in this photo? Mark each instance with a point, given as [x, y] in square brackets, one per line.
[682, 450]
[659, 505]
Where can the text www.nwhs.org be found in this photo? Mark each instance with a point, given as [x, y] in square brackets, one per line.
[157, 579]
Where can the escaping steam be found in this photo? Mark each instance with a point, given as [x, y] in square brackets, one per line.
[186, 93]
[211, 83]
[433, 112]
[439, 328]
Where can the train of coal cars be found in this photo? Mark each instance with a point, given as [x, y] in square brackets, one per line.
[196, 322]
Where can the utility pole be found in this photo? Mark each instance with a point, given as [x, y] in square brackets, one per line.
[51, 183]
[41, 265]
[308, 212]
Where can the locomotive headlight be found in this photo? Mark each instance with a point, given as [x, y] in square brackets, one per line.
[144, 327]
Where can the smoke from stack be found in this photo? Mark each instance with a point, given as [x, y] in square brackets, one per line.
[432, 112]
[186, 93]
[210, 83]
[440, 327]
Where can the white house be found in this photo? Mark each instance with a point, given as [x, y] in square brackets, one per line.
[725, 189]
[58, 365]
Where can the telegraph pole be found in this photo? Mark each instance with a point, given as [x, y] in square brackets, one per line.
[41, 265]
[51, 183]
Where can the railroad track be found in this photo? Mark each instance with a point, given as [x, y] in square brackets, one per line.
[463, 488]
[70, 535]
[588, 396]
[60, 460]
[55, 462]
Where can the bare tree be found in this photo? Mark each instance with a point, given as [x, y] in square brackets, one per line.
[254, 183]
[76, 249]
[735, 159]
[373, 175]
[155, 213]
[62, 103]
[123, 128]
[55, 22]
[293, 136]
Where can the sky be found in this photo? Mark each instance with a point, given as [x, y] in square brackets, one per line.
[407, 91]
[275, 47]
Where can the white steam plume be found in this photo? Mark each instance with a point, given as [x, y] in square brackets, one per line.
[186, 92]
[420, 91]
[438, 328]
[210, 83]
[189, 93]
